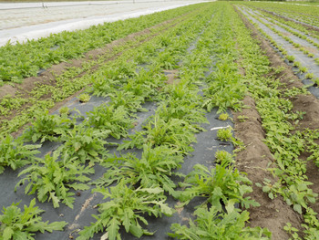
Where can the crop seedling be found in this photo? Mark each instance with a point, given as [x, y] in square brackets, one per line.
[153, 169]
[128, 100]
[278, 70]
[14, 153]
[309, 76]
[52, 179]
[218, 185]
[311, 55]
[175, 133]
[290, 58]
[114, 119]
[48, 127]
[83, 98]
[316, 82]
[84, 143]
[297, 64]
[213, 224]
[303, 69]
[223, 117]
[18, 224]
[222, 157]
[64, 111]
[225, 134]
[125, 209]
[271, 189]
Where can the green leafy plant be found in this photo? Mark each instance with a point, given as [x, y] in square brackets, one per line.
[175, 133]
[84, 143]
[223, 157]
[292, 231]
[223, 117]
[225, 134]
[272, 189]
[18, 224]
[213, 224]
[48, 127]
[309, 76]
[153, 169]
[64, 111]
[311, 55]
[83, 98]
[222, 183]
[127, 100]
[242, 118]
[297, 64]
[115, 120]
[303, 69]
[290, 58]
[14, 153]
[52, 179]
[125, 208]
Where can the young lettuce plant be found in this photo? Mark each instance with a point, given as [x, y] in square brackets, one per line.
[124, 209]
[153, 169]
[14, 153]
[18, 224]
[52, 179]
[214, 224]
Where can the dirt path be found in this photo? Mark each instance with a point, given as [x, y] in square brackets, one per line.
[274, 214]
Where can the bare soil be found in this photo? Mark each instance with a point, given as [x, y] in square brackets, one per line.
[274, 214]
[254, 160]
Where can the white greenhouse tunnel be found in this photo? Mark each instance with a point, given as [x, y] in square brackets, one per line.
[22, 21]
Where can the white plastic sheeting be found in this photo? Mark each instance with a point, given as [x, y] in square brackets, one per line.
[22, 21]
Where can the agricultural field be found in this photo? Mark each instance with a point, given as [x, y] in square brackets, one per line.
[200, 122]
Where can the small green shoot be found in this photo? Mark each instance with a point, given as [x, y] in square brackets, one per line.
[290, 58]
[309, 76]
[242, 118]
[83, 98]
[303, 69]
[223, 117]
[64, 111]
[223, 157]
[225, 134]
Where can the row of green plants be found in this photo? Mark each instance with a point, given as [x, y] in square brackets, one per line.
[52, 177]
[162, 132]
[282, 137]
[165, 139]
[290, 58]
[302, 13]
[298, 34]
[26, 59]
[294, 25]
[68, 83]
